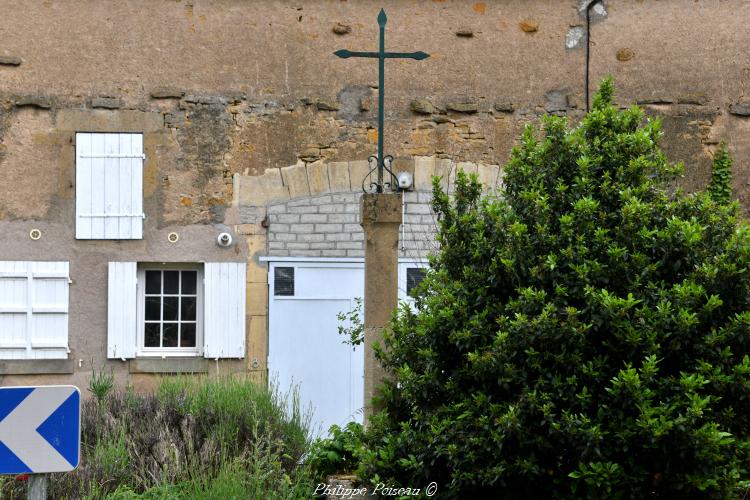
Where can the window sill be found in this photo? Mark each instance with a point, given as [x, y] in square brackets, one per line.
[36, 366]
[168, 365]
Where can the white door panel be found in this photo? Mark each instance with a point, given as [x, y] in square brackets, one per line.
[305, 348]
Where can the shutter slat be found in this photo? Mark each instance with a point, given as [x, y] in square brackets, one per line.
[224, 310]
[111, 172]
[122, 310]
[83, 185]
[125, 201]
[98, 182]
[136, 191]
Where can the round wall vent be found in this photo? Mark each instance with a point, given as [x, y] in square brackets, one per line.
[173, 237]
[35, 234]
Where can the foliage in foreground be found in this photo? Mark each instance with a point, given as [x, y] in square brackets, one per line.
[585, 336]
[194, 438]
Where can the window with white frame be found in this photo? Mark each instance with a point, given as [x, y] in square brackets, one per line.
[176, 310]
[109, 186]
[169, 305]
[33, 310]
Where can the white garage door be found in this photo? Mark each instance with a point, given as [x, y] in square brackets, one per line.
[305, 349]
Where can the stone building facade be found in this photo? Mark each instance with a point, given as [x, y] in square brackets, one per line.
[250, 126]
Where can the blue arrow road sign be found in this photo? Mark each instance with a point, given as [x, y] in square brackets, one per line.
[40, 429]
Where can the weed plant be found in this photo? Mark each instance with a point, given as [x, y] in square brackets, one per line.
[195, 437]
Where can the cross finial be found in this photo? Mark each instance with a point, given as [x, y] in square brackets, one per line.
[382, 55]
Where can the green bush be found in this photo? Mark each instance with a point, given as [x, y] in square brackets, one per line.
[339, 453]
[585, 336]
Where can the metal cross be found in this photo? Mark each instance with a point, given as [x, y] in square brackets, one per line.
[381, 55]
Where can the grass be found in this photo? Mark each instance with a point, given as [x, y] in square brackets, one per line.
[195, 437]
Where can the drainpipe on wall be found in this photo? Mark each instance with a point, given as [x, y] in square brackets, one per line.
[588, 47]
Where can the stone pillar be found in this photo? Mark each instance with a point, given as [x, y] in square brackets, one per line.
[380, 216]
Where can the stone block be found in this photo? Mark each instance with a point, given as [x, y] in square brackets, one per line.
[358, 170]
[257, 299]
[314, 237]
[333, 253]
[257, 190]
[299, 246]
[10, 61]
[333, 208]
[304, 253]
[422, 107]
[257, 272]
[446, 170]
[307, 209]
[299, 203]
[338, 176]
[276, 245]
[338, 237]
[320, 200]
[467, 167]
[352, 208]
[295, 178]
[317, 177]
[418, 208]
[34, 100]
[488, 176]
[257, 342]
[348, 218]
[256, 244]
[167, 93]
[328, 228]
[345, 198]
[36, 366]
[278, 227]
[106, 102]
[313, 218]
[283, 236]
[277, 209]
[168, 365]
[98, 120]
[284, 218]
[349, 245]
[323, 245]
[352, 228]
[355, 253]
[252, 214]
[301, 228]
[741, 108]
[424, 169]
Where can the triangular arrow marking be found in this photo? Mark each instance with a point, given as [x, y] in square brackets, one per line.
[57, 429]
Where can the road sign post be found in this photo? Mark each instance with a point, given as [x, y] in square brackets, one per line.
[40, 432]
[37, 487]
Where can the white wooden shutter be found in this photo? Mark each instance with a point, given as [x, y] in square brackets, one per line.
[122, 317]
[224, 310]
[33, 310]
[109, 186]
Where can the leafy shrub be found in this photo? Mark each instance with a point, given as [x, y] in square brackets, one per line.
[585, 336]
[339, 453]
